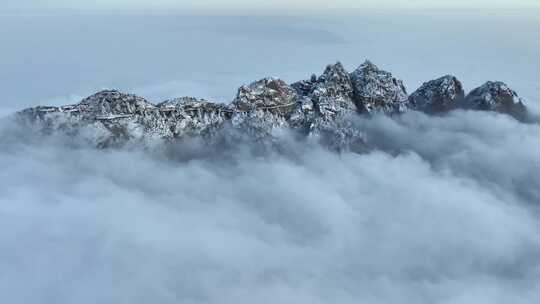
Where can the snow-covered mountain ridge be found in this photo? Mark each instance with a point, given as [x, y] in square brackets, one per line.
[319, 108]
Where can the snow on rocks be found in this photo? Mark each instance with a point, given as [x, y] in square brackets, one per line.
[498, 97]
[438, 96]
[320, 108]
[377, 90]
[269, 94]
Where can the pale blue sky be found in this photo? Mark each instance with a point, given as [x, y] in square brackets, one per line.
[50, 59]
[261, 4]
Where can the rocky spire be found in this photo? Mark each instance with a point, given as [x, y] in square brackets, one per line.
[438, 96]
[270, 94]
[376, 90]
[112, 102]
[332, 93]
[498, 97]
[316, 108]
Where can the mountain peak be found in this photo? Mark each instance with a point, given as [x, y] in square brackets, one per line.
[496, 96]
[438, 96]
[319, 107]
[272, 94]
[368, 65]
[114, 102]
[377, 90]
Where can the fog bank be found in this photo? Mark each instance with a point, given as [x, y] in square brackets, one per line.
[444, 211]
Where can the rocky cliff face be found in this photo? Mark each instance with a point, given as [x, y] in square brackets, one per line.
[378, 91]
[498, 97]
[326, 103]
[438, 96]
[318, 109]
[269, 94]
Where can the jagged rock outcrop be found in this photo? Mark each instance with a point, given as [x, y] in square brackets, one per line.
[262, 107]
[376, 90]
[317, 109]
[112, 102]
[332, 93]
[111, 118]
[189, 116]
[496, 96]
[269, 94]
[305, 87]
[438, 96]
[324, 109]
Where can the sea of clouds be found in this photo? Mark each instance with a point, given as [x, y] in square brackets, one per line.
[442, 210]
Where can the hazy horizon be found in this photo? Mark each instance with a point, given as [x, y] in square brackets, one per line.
[214, 5]
[203, 56]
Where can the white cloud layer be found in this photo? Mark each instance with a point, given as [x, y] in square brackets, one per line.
[445, 212]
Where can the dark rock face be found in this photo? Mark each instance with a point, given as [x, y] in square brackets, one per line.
[333, 92]
[111, 118]
[189, 116]
[438, 96]
[114, 102]
[193, 107]
[319, 109]
[498, 97]
[270, 94]
[260, 109]
[305, 87]
[325, 106]
[376, 90]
